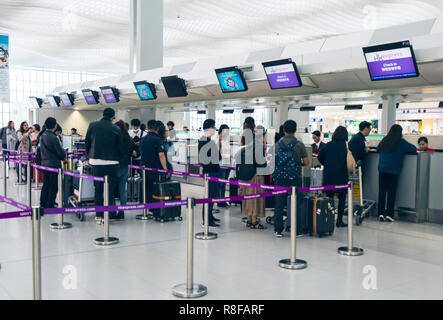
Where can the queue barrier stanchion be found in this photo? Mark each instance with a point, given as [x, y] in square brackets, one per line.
[36, 253]
[189, 289]
[206, 235]
[144, 216]
[293, 263]
[60, 224]
[350, 250]
[28, 184]
[106, 240]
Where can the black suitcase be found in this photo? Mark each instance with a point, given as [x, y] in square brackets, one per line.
[233, 192]
[269, 201]
[321, 215]
[302, 216]
[164, 192]
[68, 189]
[135, 189]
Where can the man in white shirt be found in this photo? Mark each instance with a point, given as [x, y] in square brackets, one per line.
[136, 134]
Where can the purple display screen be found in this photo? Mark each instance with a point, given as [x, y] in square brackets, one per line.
[109, 96]
[89, 97]
[282, 75]
[394, 63]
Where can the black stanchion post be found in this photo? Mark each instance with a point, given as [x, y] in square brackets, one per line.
[189, 289]
[206, 235]
[60, 224]
[28, 183]
[36, 253]
[350, 250]
[293, 263]
[106, 240]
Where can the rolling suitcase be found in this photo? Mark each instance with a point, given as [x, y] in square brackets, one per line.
[164, 192]
[321, 216]
[269, 201]
[302, 216]
[135, 189]
[68, 189]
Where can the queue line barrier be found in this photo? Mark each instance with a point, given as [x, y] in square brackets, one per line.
[189, 289]
[198, 165]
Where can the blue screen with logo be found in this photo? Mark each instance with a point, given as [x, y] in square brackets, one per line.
[231, 81]
[144, 91]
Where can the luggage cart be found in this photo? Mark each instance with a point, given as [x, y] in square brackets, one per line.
[364, 207]
[84, 191]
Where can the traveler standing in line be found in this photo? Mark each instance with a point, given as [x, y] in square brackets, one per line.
[35, 133]
[209, 157]
[51, 156]
[290, 157]
[122, 175]
[318, 144]
[163, 133]
[358, 145]
[4, 137]
[225, 150]
[104, 149]
[334, 159]
[280, 134]
[136, 135]
[11, 140]
[59, 134]
[423, 145]
[153, 156]
[392, 151]
[253, 143]
[172, 133]
[23, 144]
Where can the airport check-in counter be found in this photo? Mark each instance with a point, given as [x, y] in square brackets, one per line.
[419, 189]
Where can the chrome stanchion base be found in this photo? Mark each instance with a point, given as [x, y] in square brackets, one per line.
[297, 265]
[209, 236]
[144, 218]
[106, 242]
[65, 225]
[182, 291]
[344, 251]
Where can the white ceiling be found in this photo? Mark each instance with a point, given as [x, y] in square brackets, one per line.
[93, 35]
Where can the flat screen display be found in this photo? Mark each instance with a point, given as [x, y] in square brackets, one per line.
[282, 74]
[391, 61]
[89, 97]
[35, 103]
[175, 87]
[145, 90]
[109, 94]
[52, 101]
[66, 99]
[231, 80]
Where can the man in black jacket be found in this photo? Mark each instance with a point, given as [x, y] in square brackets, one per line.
[318, 145]
[104, 149]
[357, 145]
[51, 156]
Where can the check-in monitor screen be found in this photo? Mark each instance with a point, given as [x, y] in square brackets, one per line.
[144, 91]
[282, 74]
[391, 61]
[66, 100]
[109, 95]
[89, 97]
[231, 80]
[52, 101]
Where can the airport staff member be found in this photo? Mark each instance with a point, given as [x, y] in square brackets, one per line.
[318, 145]
[172, 133]
[104, 149]
[357, 145]
[423, 145]
[152, 151]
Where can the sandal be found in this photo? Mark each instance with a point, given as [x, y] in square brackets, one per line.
[257, 226]
[248, 224]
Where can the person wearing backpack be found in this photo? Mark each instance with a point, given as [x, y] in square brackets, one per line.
[290, 157]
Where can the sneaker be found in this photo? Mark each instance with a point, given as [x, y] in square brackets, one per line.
[278, 235]
[381, 218]
[389, 219]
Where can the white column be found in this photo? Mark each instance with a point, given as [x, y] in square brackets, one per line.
[210, 112]
[147, 114]
[146, 35]
[301, 117]
[282, 114]
[389, 113]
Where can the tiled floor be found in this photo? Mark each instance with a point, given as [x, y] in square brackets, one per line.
[240, 264]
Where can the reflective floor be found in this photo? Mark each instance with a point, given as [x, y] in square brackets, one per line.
[401, 261]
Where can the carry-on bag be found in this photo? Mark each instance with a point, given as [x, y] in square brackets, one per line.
[321, 216]
[164, 192]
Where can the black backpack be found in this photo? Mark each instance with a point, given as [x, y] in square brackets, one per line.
[244, 171]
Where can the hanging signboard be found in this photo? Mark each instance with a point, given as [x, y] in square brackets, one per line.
[4, 68]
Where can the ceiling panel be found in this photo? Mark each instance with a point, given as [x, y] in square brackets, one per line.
[94, 35]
